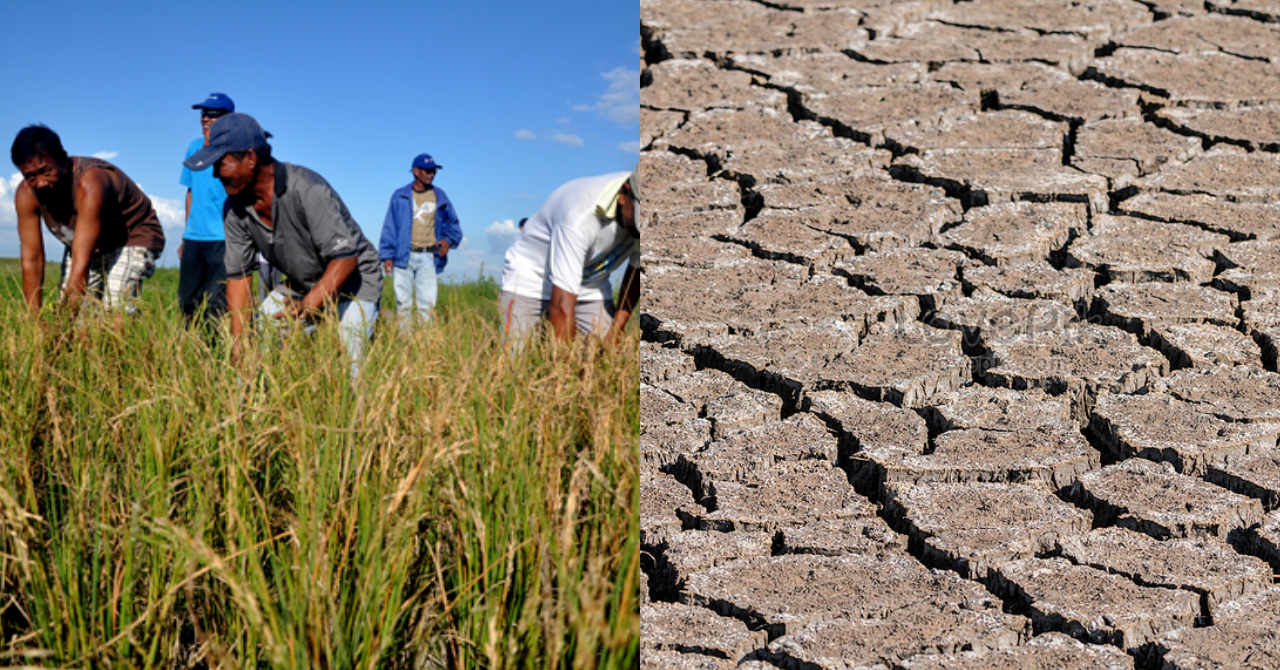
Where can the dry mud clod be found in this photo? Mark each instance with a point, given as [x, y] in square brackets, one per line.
[1033, 280]
[663, 500]
[1052, 454]
[908, 365]
[1120, 249]
[1078, 362]
[1159, 427]
[1207, 567]
[1151, 498]
[783, 497]
[783, 594]
[681, 554]
[1047, 651]
[1095, 606]
[974, 528]
[673, 627]
[916, 629]
[1016, 232]
[749, 453]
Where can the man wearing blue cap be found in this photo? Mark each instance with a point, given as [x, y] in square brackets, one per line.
[420, 229]
[202, 278]
[298, 223]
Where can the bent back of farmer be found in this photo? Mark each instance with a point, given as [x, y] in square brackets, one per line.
[559, 267]
[128, 219]
[110, 230]
[293, 218]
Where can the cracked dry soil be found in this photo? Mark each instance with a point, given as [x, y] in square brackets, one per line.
[960, 330]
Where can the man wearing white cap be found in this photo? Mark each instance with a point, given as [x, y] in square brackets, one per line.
[559, 267]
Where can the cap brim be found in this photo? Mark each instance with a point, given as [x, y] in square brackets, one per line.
[203, 159]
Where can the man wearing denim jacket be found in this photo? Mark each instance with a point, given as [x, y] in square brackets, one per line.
[420, 229]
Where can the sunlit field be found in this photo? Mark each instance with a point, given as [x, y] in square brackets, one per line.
[457, 506]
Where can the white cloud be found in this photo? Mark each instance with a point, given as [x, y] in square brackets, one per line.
[525, 134]
[467, 264]
[10, 245]
[630, 147]
[500, 235]
[621, 101]
[8, 217]
[7, 214]
[567, 138]
[172, 215]
[636, 49]
[564, 120]
[106, 155]
[171, 212]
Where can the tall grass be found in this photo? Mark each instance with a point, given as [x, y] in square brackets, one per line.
[456, 506]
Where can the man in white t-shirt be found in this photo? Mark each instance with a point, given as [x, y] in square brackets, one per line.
[559, 267]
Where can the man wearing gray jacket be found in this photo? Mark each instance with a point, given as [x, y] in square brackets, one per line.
[291, 216]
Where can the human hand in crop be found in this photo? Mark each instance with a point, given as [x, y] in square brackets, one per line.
[297, 309]
[310, 304]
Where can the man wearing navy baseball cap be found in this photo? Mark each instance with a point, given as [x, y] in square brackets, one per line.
[291, 216]
[420, 229]
[202, 277]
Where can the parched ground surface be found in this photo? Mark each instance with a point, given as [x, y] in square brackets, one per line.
[960, 333]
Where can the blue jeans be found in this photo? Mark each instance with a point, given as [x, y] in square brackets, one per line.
[416, 288]
[355, 324]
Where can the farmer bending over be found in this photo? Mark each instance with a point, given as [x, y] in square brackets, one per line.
[111, 233]
[559, 267]
[298, 223]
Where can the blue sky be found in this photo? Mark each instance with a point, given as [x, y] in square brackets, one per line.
[512, 98]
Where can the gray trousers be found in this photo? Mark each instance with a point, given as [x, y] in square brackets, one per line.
[521, 316]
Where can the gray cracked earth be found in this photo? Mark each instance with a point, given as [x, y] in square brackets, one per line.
[960, 334]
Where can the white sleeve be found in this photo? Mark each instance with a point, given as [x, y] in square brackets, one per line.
[570, 244]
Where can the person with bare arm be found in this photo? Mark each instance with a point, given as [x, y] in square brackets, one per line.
[110, 230]
[559, 267]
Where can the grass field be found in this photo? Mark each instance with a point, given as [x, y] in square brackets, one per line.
[457, 507]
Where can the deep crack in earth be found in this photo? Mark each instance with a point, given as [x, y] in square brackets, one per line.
[960, 330]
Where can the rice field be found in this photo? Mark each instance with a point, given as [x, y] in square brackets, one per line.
[457, 507]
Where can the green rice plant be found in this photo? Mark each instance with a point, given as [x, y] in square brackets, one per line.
[457, 505]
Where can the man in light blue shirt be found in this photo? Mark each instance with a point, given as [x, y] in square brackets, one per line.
[202, 281]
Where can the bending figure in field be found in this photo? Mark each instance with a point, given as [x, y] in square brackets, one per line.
[420, 229]
[292, 217]
[559, 266]
[110, 230]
